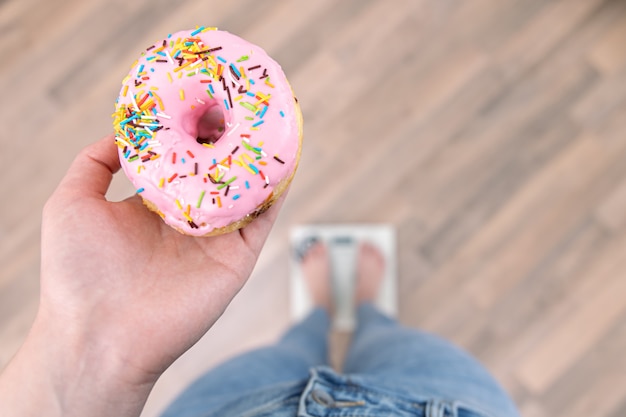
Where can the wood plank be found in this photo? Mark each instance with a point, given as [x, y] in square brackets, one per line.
[608, 55]
[586, 325]
[612, 211]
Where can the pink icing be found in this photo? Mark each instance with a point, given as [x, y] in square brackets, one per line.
[159, 117]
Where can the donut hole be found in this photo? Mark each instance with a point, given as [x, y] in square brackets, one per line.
[210, 125]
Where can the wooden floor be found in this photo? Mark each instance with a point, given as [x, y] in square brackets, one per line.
[490, 133]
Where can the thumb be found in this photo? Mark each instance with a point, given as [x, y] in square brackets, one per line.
[92, 170]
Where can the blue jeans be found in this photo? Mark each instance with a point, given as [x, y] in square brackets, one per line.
[389, 370]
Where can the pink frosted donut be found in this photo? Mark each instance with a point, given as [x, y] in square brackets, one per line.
[208, 129]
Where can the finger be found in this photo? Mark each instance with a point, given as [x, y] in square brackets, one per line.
[256, 232]
[92, 170]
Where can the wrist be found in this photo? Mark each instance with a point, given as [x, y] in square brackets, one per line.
[60, 371]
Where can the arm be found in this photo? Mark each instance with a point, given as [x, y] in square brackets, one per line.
[122, 296]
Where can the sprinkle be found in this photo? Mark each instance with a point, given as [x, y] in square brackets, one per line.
[219, 202]
[226, 104]
[247, 185]
[190, 154]
[227, 183]
[161, 183]
[282, 114]
[182, 95]
[141, 190]
[243, 58]
[235, 71]
[253, 68]
[179, 205]
[235, 150]
[255, 169]
[236, 197]
[263, 112]
[248, 106]
[195, 32]
[132, 98]
[174, 158]
[260, 122]
[233, 129]
[278, 159]
[170, 179]
[169, 77]
[186, 64]
[246, 166]
[161, 106]
[230, 100]
[221, 59]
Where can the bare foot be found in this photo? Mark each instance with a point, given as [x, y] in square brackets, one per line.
[316, 270]
[370, 270]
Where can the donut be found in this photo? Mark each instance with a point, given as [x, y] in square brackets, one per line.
[208, 129]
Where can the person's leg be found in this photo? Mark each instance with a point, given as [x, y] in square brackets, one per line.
[302, 347]
[413, 361]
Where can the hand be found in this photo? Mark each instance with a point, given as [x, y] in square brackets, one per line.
[122, 293]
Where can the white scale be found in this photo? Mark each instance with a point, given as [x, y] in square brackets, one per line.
[342, 242]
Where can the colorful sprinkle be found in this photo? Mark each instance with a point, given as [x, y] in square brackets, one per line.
[248, 106]
[200, 199]
[195, 32]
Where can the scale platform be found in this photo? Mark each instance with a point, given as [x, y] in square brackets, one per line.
[342, 242]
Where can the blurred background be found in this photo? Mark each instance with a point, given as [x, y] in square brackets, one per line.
[490, 133]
